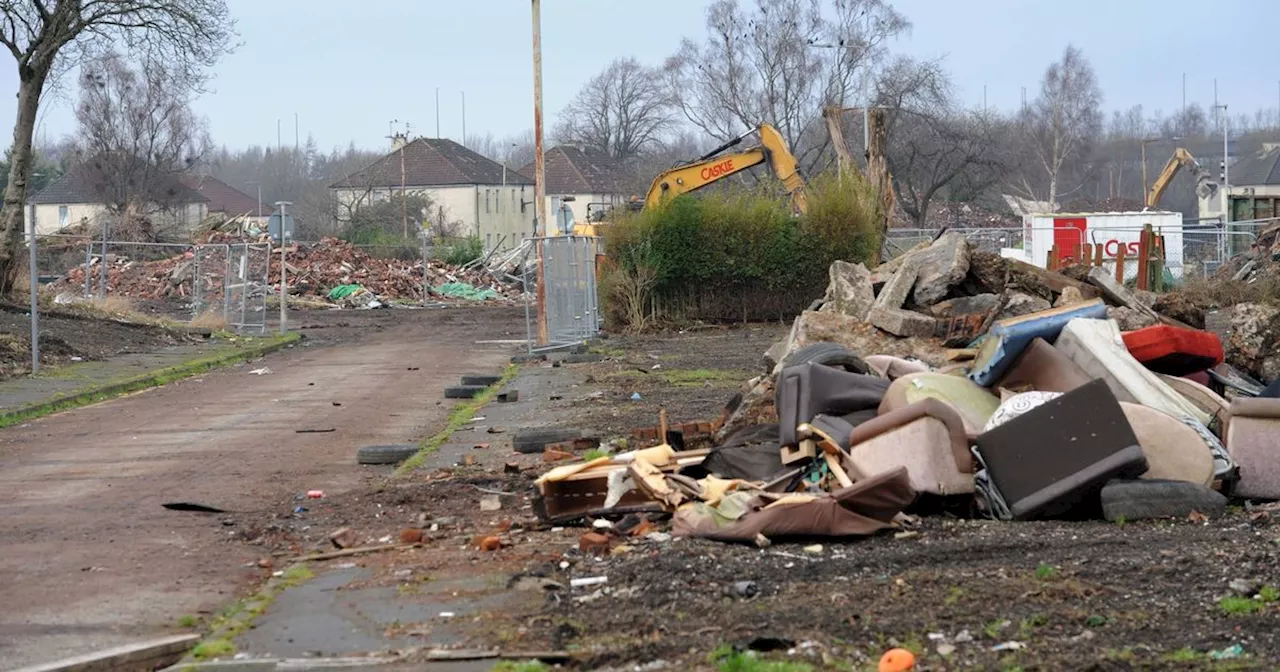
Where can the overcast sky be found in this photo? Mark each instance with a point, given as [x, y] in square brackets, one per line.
[348, 68]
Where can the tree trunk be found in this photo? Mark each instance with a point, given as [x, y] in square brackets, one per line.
[15, 194]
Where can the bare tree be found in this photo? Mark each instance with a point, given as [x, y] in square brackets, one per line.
[1189, 122]
[931, 143]
[622, 111]
[137, 132]
[512, 151]
[770, 63]
[43, 35]
[1059, 127]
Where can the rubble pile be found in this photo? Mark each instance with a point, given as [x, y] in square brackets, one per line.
[950, 380]
[312, 271]
[1261, 260]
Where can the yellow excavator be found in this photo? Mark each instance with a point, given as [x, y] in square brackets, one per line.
[715, 166]
[1205, 186]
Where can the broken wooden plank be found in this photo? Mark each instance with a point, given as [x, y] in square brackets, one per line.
[1054, 281]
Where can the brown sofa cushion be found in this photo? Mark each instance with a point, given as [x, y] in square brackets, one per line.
[1043, 368]
[927, 408]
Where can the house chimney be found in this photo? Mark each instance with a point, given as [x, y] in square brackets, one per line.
[399, 140]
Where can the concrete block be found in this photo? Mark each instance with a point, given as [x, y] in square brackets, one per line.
[903, 322]
[895, 291]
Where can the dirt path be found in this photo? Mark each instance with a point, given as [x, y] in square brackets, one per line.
[88, 558]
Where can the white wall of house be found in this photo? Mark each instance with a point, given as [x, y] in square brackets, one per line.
[53, 217]
[492, 212]
[1212, 207]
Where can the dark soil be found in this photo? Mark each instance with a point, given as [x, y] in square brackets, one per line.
[988, 595]
[64, 336]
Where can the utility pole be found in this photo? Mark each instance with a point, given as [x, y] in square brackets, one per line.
[284, 244]
[278, 145]
[295, 133]
[539, 176]
[437, 112]
[464, 118]
[1226, 169]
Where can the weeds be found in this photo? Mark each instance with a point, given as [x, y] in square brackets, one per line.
[595, 454]
[728, 660]
[1269, 593]
[187, 621]
[211, 319]
[1184, 655]
[521, 666]
[213, 648]
[1236, 606]
[460, 416]
[1045, 572]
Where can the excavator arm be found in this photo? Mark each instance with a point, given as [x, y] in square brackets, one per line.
[715, 166]
[1205, 186]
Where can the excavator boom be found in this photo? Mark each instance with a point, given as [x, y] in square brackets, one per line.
[711, 168]
[1205, 186]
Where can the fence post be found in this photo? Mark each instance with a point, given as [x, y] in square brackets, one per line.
[35, 301]
[88, 260]
[197, 286]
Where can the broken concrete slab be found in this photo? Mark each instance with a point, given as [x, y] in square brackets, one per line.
[849, 291]
[1068, 296]
[898, 287]
[1018, 304]
[1249, 343]
[1118, 293]
[965, 305]
[1129, 319]
[942, 266]
[901, 322]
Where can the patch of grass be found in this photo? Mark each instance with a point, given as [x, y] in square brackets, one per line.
[1095, 621]
[461, 415]
[187, 621]
[213, 648]
[211, 319]
[1269, 593]
[521, 666]
[992, 628]
[1125, 655]
[606, 351]
[1235, 606]
[1121, 521]
[1184, 655]
[749, 661]
[1045, 572]
[110, 389]
[700, 377]
[595, 454]
[953, 595]
[240, 615]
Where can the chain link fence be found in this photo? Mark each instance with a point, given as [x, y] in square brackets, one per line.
[211, 284]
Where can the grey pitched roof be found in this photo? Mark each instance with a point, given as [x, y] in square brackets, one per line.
[572, 170]
[431, 162]
[1256, 170]
[222, 196]
[86, 183]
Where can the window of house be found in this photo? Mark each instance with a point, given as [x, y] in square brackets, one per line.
[486, 200]
[488, 240]
[62, 216]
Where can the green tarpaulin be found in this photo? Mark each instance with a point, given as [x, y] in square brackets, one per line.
[464, 290]
[343, 291]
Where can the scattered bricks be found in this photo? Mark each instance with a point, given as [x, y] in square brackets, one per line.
[642, 529]
[411, 535]
[552, 455]
[574, 445]
[489, 543]
[343, 538]
[594, 542]
[266, 563]
[903, 322]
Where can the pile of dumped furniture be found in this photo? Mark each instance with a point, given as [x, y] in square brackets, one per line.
[1050, 413]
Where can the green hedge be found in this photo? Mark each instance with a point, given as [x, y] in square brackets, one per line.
[735, 254]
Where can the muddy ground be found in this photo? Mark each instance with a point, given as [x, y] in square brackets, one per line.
[66, 335]
[962, 594]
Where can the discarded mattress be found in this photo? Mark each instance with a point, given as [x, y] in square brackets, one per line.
[1009, 337]
[1174, 350]
[805, 390]
[927, 438]
[973, 403]
[1253, 440]
[1206, 400]
[893, 368]
[1097, 348]
[866, 507]
[1174, 451]
[1055, 457]
[1043, 368]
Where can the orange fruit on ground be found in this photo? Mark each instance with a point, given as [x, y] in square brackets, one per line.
[897, 660]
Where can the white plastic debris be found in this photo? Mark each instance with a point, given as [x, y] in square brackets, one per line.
[588, 581]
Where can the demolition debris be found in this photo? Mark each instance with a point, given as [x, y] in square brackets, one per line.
[952, 380]
[330, 269]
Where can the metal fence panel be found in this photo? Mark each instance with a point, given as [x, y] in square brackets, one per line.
[247, 286]
[570, 297]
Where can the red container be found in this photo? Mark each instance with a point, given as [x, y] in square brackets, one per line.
[1174, 350]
